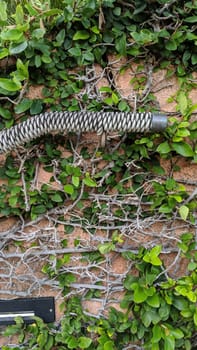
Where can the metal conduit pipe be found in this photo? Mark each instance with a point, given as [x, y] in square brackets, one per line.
[80, 121]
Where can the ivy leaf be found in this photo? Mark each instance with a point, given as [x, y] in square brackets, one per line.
[69, 189]
[184, 149]
[163, 148]
[182, 102]
[4, 52]
[75, 51]
[23, 106]
[191, 19]
[72, 342]
[75, 180]
[36, 107]
[157, 333]
[61, 36]
[177, 333]
[5, 113]
[89, 182]
[139, 294]
[84, 342]
[56, 198]
[19, 16]
[147, 319]
[169, 343]
[22, 69]
[39, 209]
[152, 256]
[11, 34]
[195, 318]
[42, 339]
[106, 247]
[38, 33]
[3, 12]
[184, 211]
[194, 58]
[81, 35]
[171, 45]
[109, 345]
[9, 85]
[153, 300]
[120, 44]
[15, 49]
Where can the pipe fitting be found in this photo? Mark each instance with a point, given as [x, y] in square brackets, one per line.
[159, 122]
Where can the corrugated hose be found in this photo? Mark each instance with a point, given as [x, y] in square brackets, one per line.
[80, 121]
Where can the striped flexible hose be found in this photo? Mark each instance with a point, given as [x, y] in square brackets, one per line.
[80, 121]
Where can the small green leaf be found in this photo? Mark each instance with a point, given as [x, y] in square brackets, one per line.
[12, 34]
[152, 256]
[192, 266]
[177, 333]
[42, 339]
[163, 148]
[89, 182]
[15, 49]
[153, 300]
[184, 211]
[38, 33]
[81, 35]
[182, 148]
[38, 61]
[194, 58]
[88, 56]
[13, 201]
[36, 107]
[39, 209]
[19, 15]
[4, 52]
[84, 342]
[75, 181]
[115, 98]
[9, 85]
[106, 247]
[53, 12]
[169, 343]
[3, 12]
[23, 106]
[105, 89]
[157, 333]
[182, 102]
[120, 44]
[195, 318]
[49, 343]
[5, 113]
[191, 19]
[109, 345]
[75, 51]
[69, 189]
[22, 69]
[171, 45]
[123, 106]
[72, 342]
[61, 36]
[147, 319]
[140, 294]
[46, 59]
[56, 198]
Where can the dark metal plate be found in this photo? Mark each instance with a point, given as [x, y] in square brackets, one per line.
[43, 307]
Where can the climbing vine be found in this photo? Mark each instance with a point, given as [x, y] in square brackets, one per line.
[113, 194]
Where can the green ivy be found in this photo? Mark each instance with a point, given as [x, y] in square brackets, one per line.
[40, 44]
[157, 312]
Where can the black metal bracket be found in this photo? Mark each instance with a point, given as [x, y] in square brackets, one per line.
[27, 308]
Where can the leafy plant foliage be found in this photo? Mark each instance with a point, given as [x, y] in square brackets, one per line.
[53, 45]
